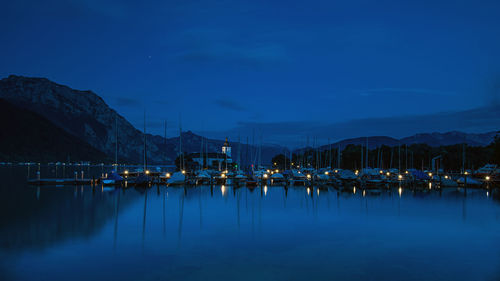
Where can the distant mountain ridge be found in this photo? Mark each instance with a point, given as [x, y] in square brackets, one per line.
[431, 139]
[86, 116]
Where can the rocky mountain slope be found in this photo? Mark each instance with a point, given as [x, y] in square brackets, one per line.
[27, 136]
[85, 115]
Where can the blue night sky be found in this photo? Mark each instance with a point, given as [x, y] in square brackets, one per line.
[225, 65]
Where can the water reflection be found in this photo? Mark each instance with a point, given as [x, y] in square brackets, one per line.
[188, 233]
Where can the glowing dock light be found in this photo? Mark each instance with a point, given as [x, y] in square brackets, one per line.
[356, 172]
[147, 172]
[126, 172]
[277, 171]
[308, 176]
[388, 174]
[406, 172]
[326, 173]
[487, 178]
[400, 177]
[265, 176]
[466, 173]
[183, 172]
[167, 175]
[430, 175]
[381, 172]
[336, 171]
[268, 170]
[223, 175]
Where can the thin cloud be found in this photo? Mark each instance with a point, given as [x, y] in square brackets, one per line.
[210, 45]
[129, 102]
[403, 92]
[229, 104]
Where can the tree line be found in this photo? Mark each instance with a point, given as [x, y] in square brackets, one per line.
[415, 156]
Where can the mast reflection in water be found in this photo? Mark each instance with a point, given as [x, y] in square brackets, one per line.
[293, 233]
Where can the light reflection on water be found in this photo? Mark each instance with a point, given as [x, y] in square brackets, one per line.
[221, 232]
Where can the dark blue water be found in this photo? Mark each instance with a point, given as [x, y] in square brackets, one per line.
[81, 233]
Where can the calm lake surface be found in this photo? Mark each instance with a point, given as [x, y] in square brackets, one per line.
[204, 233]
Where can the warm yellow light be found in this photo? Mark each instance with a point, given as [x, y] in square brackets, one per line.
[381, 172]
[336, 171]
[317, 191]
[223, 175]
[167, 175]
[487, 178]
[400, 176]
[268, 170]
[147, 172]
[265, 176]
[326, 173]
[354, 190]
[446, 177]
[308, 176]
[308, 191]
[364, 193]
[126, 172]
[400, 191]
[356, 172]
[466, 173]
[223, 190]
[406, 172]
[183, 171]
[265, 190]
[388, 174]
[277, 171]
[274, 163]
[430, 174]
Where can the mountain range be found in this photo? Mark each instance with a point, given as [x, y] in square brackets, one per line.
[431, 139]
[84, 118]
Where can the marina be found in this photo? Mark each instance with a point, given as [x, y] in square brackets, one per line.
[215, 231]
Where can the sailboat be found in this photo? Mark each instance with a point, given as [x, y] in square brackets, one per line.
[143, 179]
[114, 178]
[178, 178]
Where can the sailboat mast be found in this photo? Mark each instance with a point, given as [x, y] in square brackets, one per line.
[362, 149]
[144, 161]
[366, 160]
[116, 142]
[165, 142]
[181, 157]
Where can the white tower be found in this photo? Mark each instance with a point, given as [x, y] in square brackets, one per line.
[226, 149]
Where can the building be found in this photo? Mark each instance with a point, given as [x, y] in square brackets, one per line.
[226, 149]
[213, 160]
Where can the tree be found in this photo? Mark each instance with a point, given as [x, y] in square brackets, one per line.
[280, 161]
[496, 149]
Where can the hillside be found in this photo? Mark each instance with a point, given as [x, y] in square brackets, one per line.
[27, 136]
